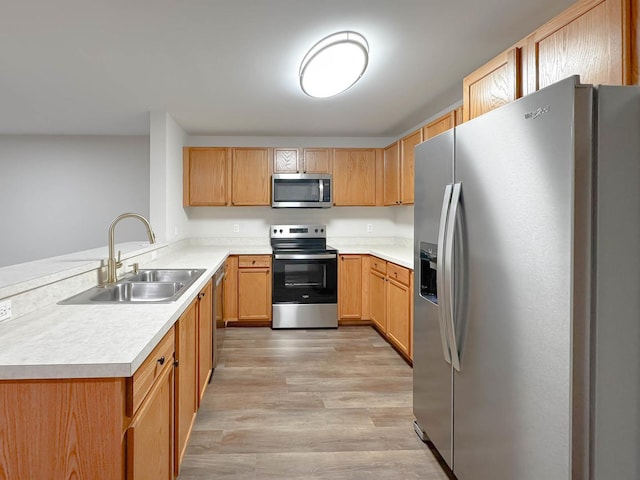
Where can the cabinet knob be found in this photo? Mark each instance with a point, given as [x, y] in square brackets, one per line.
[253, 262]
[161, 360]
[175, 364]
[201, 295]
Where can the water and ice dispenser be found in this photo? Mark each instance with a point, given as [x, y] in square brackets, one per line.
[428, 271]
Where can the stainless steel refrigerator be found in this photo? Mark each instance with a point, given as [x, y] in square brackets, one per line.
[527, 311]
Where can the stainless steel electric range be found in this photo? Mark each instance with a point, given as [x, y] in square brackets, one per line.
[305, 277]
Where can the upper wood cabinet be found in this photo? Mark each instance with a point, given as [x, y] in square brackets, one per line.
[205, 175]
[496, 83]
[595, 39]
[589, 39]
[391, 195]
[250, 177]
[354, 176]
[442, 124]
[407, 166]
[302, 160]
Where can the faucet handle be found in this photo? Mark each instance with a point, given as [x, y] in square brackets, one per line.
[119, 262]
[136, 267]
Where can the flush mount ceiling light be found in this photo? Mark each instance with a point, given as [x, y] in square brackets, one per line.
[334, 64]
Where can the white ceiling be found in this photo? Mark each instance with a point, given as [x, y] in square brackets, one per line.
[229, 67]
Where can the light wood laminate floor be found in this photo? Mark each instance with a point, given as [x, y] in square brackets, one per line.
[308, 404]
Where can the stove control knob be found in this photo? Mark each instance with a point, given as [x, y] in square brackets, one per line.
[316, 230]
[280, 230]
[322, 229]
[275, 230]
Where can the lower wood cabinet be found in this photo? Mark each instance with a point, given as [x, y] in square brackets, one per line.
[350, 287]
[133, 428]
[186, 380]
[247, 290]
[391, 301]
[205, 337]
[149, 438]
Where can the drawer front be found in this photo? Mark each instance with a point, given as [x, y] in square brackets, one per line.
[378, 265]
[398, 273]
[249, 261]
[146, 375]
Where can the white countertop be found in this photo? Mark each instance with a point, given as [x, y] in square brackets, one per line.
[89, 341]
[85, 341]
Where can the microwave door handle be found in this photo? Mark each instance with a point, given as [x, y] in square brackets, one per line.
[321, 189]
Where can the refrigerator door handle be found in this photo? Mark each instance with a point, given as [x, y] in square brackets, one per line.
[440, 277]
[449, 274]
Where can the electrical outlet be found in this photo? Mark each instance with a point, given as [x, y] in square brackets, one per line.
[236, 228]
[369, 227]
[5, 310]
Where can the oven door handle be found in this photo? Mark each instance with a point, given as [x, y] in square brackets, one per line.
[305, 256]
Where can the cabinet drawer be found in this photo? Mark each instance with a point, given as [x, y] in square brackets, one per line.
[398, 273]
[248, 261]
[146, 375]
[378, 265]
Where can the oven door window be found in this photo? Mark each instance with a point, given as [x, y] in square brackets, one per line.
[305, 281]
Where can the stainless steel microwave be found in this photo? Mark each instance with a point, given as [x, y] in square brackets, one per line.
[301, 190]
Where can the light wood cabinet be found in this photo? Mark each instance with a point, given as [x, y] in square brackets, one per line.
[204, 304]
[442, 124]
[391, 302]
[116, 428]
[230, 310]
[399, 167]
[350, 287]
[205, 176]
[595, 39]
[302, 160]
[149, 438]
[399, 321]
[254, 289]
[588, 39]
[496, 83]
[392, 174]
[186, 389]
[354, 176]
[378, 299]
[407, 166]
[250, 177]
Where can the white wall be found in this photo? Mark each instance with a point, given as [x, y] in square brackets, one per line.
[166, 140]
[404, 221]
[58, 194]
[255, 221]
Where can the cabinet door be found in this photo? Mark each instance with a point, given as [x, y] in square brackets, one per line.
[350, 287]
[496, 83]
[186, 389]
[407, 166]
[285, 160]
[205, 337]
[398, 314]
[250, 177]
[392, 174]
[442, 124]
[354, 177]
[254, 294]
[378, 299]
[205, 176]
[316, 160]
[230, 310]
[587, 39]
[150, 434]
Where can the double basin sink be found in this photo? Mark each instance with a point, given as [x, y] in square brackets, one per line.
[146, 286]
